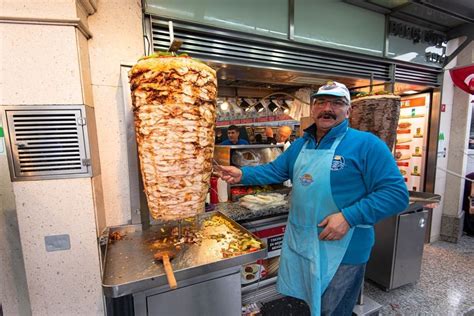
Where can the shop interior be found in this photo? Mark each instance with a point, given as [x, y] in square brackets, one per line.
[255, 98]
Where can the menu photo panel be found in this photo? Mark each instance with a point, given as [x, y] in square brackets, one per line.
[411, 139]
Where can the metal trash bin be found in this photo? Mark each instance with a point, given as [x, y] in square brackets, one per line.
[397, 254]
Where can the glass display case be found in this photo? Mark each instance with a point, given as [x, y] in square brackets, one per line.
[248, 155]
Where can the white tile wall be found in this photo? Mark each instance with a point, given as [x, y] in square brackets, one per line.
[118, 38]
[42, 65]
[57, 9]
[61, 282]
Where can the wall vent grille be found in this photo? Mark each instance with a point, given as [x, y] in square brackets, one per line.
[47, 143]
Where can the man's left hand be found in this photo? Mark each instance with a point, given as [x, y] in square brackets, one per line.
[335, 227]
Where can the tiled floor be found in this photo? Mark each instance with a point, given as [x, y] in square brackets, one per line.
[446, 286]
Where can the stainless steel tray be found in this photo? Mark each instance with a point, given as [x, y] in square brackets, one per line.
[423, 199]
[129, 266]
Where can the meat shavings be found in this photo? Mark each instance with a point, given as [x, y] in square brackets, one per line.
[188, 236]
[240, 242]
[243, 244]
[116, 236]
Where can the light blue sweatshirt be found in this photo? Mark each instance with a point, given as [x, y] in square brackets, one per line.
[366, 183]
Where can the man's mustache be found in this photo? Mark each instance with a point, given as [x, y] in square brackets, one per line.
[330, 114]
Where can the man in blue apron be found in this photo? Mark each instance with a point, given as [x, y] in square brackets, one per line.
[344, 181]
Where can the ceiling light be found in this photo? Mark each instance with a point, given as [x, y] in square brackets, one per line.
[410, 92]
[244, 105]
[224, 105]
[272, 106]
[285, 107]
[259, 107]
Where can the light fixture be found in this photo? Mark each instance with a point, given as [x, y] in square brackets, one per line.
[285, 107]
[410, 92]
[224, 105]
[272, 106]
[244, 105]
[259, 107]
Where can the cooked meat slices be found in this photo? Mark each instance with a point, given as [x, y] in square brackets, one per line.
[174, 101]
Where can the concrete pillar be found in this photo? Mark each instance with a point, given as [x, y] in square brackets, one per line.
[453, 215]
[46, 60]
[118, 38]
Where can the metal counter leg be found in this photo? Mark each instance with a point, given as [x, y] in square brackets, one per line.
[365, 305]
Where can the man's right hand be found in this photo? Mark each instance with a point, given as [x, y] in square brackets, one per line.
[230, 174]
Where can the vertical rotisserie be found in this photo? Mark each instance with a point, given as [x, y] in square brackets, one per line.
[174, 102]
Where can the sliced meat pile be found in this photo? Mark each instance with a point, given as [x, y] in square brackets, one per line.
[174, 101]
[377, 114]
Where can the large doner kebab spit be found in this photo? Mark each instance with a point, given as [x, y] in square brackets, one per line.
[174, 104]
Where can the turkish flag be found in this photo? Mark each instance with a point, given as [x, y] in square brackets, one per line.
[463, 77]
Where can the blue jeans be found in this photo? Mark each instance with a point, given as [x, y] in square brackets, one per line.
[342, 292]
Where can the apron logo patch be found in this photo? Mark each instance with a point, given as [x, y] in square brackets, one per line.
[306, 179]
[338, 163]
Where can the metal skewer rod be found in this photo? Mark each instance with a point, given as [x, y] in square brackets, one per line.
[175, 44]
[180, 228]
[196, 221]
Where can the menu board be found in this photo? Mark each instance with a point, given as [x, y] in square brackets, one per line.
[411, 140]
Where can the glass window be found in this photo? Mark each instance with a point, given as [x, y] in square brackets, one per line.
[339, 25]
[415, 44]
[263, 17]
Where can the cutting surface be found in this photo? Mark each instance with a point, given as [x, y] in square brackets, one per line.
[130, 259]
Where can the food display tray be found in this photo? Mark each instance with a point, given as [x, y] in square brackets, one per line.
[421, 199]
[129, 265]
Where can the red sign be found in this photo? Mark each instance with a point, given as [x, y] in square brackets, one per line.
[463, 78]
[274, 231]
[246, 121]
[402, 146]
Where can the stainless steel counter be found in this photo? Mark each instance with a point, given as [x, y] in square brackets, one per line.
[130, 266]
[240, 214]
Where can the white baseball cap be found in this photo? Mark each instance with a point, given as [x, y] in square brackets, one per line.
[335, 89]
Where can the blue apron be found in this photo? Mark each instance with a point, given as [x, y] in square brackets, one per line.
[308, 264]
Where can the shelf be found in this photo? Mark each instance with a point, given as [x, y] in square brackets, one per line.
[252, 122]
[406, 117]
[403, 141]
